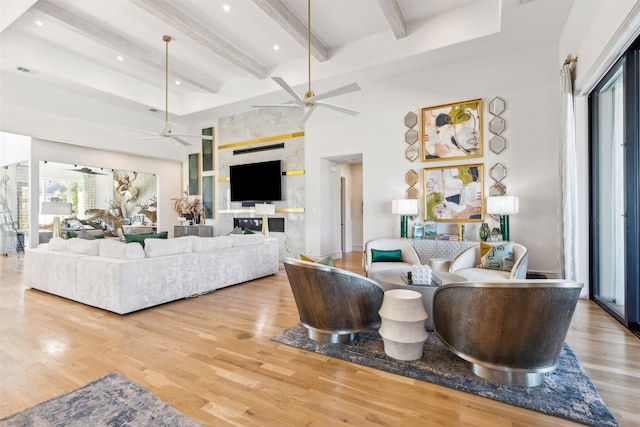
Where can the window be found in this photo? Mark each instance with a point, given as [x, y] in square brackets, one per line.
[615, 170]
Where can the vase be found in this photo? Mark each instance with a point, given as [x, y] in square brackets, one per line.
[484, 232]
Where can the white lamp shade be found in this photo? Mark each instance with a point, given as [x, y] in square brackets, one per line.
[265, 209]
[503, 205]
[56, 208]
[404, 206]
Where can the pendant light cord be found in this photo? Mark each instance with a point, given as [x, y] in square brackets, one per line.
[167, 39]
[309, 41]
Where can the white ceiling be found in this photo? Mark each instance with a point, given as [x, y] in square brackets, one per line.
[224, 58]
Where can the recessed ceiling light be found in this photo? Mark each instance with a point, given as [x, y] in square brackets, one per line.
[226, 7]
[276, 47]
[120, 58]
[178, 82]
[39, 23]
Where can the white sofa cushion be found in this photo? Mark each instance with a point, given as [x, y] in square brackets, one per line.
[161, 247]
[211, 243]
[247, 239]
[84, 246]
[111, 248]
[480, 274]
[58, 244]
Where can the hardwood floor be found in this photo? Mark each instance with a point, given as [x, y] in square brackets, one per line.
[212, 358]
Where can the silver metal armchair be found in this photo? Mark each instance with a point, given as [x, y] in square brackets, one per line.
[510, 332]
[334, 304]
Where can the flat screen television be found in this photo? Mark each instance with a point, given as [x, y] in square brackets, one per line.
[256, 182]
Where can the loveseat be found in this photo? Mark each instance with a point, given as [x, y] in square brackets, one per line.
[126, 277]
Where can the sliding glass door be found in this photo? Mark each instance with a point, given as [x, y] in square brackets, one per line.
[615, 213]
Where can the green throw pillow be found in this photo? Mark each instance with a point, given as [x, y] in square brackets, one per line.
[326, 260]
[247, 231]
[386, 256]
[496, 257]
[129, 238]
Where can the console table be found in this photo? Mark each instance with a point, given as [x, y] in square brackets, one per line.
[443, 249]
[193, 230]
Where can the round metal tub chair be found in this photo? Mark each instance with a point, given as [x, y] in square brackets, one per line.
[510, 332]
[334, 304]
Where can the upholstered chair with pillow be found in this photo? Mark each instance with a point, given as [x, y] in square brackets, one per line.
[388, 254]
[505, 260]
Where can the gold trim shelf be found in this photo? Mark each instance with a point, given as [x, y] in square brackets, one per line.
[260, 140]
[250, 210]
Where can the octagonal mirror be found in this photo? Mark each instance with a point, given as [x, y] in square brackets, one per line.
[412, 177]
[497, 144]
[412, 153]
[411, 119]
[498, 172]
[497, 125]
[411, 136]
[496, 106]
[412, 193]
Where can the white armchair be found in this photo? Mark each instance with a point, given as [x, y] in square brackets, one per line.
[409, 255]
[466, 265]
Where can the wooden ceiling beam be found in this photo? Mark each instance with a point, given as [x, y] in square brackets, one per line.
[277, 11]
[392, 12]
[109, 37]
[178, 18]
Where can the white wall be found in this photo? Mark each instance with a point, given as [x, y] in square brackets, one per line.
[169, 175]
[356, 207]
[528, 81]
[14, 148]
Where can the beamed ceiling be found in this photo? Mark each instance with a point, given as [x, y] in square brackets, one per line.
[223, 52]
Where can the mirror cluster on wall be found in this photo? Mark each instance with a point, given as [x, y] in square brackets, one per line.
[99, 197]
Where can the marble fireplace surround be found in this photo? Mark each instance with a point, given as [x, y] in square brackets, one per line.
[256, 125]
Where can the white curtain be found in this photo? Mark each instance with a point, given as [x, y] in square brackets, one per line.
[568, 206]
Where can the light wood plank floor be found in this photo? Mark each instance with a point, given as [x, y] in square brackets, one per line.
[212, 358]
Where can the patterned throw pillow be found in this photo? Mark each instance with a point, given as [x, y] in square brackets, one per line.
[326, 260]
[496, 257]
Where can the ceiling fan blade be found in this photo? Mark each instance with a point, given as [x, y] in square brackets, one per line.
[180, 140]
[136, 130]
[353, 87]
[151, 137]
[336, 108]
[306, 115]
[297, 99]
[276, 105]
[191, 136]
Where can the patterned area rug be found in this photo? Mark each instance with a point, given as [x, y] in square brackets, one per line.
[111, 400]
[567, 392]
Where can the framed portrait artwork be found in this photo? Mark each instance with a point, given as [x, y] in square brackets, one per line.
[454, 193]
[452, 131]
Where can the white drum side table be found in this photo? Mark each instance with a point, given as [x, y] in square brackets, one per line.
[402, 328]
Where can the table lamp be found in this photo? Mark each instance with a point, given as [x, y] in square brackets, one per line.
[404, 208]
[57, 209]
[503, 206]
[265, 209]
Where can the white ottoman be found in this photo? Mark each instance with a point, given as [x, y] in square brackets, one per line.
[403, 324]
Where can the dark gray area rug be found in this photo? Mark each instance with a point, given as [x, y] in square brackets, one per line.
[111, 400]
[567, 392]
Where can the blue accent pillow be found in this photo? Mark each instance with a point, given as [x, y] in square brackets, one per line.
[386, 256]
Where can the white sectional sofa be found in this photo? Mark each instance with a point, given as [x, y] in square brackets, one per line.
[125, 277]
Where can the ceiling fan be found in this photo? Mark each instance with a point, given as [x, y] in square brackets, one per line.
[311, 100]
[167, 128]
[87, 171]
